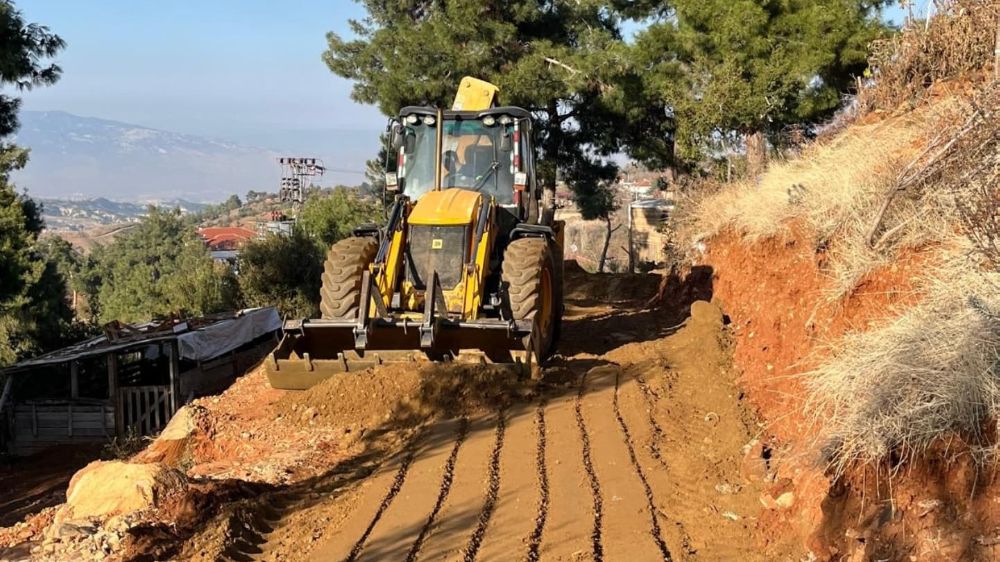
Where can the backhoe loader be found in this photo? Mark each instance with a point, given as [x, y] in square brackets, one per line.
[468, 265]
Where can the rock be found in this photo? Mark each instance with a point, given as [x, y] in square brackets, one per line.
[173, 443]
[785, 500]
[727, 488]
[780, 497]
[754, 467]
[104, 489]
[309, 413]
[70, 531]
[927, 506]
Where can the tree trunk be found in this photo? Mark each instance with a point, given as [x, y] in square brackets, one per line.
[604, 250]
[756, 154]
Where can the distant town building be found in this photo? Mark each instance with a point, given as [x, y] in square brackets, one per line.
[278, 224]
[226, 238]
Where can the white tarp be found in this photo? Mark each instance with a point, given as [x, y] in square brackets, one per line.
[222, 337]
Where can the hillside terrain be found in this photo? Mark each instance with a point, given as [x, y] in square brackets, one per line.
[83, 214]
[74, 157]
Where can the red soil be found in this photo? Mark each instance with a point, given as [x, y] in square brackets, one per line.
[773, 291]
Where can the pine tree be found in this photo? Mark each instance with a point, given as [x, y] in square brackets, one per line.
[740, 71]
[158, 268]
[32, 305]
[564, 60]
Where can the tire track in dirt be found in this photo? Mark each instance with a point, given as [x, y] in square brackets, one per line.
[492, 492]
[519, 496]
[588, 465]
[370, 518]
[625, 506]
[446, 480]
[252, 524]
[654, 527]
[569, 517]
[535, 541]
[457, 519]
[393, 536]
[658, 434]
[698, 516]
[391, 493]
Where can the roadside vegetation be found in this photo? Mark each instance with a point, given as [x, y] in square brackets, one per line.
[914, 168]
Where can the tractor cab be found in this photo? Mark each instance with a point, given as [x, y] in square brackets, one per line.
[482, 151]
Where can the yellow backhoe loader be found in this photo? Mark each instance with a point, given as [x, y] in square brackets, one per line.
[469, 262]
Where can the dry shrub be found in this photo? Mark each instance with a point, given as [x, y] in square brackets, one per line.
[890, 392]
[834, 189]
[970, 170]
[920, 179]
[893, 391]
[957, 43]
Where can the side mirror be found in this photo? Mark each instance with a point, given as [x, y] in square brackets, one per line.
[409, 142]
[395, 137]
[505, 142]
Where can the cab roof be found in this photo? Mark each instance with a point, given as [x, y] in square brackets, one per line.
[448, 114]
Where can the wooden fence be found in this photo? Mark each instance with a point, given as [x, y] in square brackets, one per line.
[145, 410]
[40, 424]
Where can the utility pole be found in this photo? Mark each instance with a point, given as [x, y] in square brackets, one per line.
[631, 245]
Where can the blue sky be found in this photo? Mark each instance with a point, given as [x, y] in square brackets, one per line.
[233, 69]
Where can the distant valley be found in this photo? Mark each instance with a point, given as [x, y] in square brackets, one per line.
[84, 214]
[76, 158]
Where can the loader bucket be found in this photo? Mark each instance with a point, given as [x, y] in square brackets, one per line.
[312, 351]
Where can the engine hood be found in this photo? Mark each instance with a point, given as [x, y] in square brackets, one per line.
[448, 207]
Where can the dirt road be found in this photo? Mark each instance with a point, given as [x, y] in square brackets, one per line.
[631, 449]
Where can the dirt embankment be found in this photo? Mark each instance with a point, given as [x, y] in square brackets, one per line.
[776, 293]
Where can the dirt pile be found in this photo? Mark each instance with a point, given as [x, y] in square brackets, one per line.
[399, 395]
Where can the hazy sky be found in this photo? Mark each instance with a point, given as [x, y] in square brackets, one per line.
[225, 68]
[214, 67]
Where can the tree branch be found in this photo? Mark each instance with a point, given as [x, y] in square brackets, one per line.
[574, 72]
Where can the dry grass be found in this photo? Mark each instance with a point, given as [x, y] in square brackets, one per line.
[957, 44]
[892, 391]
[834, 189]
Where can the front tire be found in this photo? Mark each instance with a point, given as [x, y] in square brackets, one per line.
[530, 277]
[347, 260]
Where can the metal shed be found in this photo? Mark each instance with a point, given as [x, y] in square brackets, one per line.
[130, 380]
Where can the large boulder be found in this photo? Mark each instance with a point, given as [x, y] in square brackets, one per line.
[104, 489]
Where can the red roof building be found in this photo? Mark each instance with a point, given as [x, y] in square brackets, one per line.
[226, 238]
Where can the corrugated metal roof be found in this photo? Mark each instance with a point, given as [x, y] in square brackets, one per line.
[148, 332]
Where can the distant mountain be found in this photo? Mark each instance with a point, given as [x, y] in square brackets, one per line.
[82, 214]
[75, 157]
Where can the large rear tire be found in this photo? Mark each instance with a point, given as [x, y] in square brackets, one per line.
[531, 279]
[345, 263]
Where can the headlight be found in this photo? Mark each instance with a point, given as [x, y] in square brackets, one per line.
[489, 121]
[411, 119]
[429, 120]
[505, 120]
